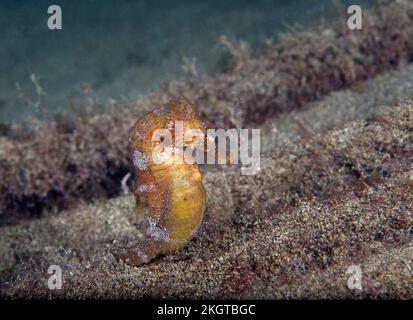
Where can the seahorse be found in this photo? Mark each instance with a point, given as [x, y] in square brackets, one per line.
[171, 191]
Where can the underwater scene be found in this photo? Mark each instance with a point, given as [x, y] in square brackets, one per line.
[206, 150]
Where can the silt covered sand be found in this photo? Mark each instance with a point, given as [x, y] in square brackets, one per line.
[335, 187]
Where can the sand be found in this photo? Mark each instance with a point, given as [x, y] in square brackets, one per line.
[335, 191]
[328, 202]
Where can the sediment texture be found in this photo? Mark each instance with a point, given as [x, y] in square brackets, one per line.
[325, 203]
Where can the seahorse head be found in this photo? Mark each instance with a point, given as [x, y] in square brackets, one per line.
[178, 119]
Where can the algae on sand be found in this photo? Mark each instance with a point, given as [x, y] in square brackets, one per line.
[335, 189]
[332, 200]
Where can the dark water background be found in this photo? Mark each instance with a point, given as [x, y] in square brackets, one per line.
[120, 49]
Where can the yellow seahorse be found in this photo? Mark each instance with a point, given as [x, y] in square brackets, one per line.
[172, 192]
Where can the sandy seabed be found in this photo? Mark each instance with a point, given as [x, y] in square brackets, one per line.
[335, 187]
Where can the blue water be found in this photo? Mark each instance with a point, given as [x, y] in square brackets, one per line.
[116, 50]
